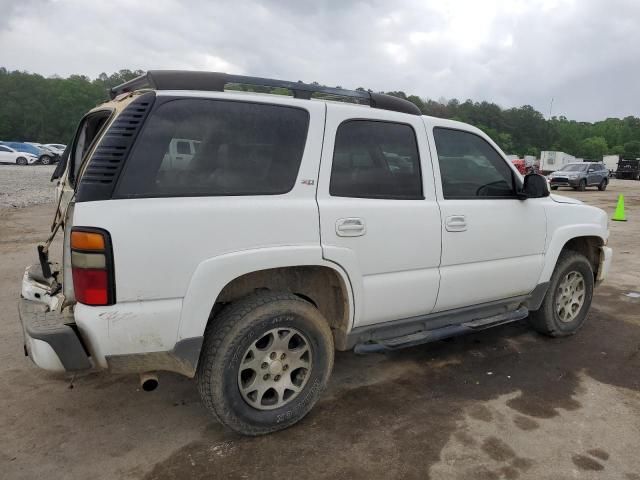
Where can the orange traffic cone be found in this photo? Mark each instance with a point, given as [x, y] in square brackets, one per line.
[618, 215]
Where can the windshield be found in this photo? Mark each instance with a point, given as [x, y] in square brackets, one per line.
[573, 167]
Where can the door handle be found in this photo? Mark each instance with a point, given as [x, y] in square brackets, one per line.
[350, 227]
[456, 223]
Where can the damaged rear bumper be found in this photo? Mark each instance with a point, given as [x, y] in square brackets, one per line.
[50, 339]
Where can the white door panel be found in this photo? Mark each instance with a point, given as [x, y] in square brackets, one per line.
[394, 243]
[474, 283]
[495, 229]
[410, 292]
[492, 242]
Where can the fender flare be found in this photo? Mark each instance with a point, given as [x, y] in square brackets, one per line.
[212, 275]
[560, 238]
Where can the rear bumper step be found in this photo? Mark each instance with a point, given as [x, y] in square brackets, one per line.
[49, 340]
[427, 336]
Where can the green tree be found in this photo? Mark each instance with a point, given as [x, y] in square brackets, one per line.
[35, 108]
[632, 149]
[593, 148]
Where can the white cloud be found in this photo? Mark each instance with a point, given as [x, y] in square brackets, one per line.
[512, 52]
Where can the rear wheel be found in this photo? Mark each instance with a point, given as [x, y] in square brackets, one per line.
[568, 299]
[265, 361]
[582, 186]
[603, 185]
[21, 161]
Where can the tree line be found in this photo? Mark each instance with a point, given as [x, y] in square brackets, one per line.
[47, 110]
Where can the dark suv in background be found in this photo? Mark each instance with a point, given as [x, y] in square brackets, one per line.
[580, 175]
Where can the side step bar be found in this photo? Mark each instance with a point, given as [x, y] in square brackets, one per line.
[426, 336]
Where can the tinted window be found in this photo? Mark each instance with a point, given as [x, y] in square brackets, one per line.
[376, 160]
[241, 149]
[183, 148]
[470, 167]
[574, 167]
[4, 149]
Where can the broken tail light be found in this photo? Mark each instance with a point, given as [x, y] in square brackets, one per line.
[92, 266]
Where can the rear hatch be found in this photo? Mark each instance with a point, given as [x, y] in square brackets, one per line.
[53, 278]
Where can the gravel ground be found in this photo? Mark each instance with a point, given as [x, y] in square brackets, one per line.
[26, 186]
[505, 403]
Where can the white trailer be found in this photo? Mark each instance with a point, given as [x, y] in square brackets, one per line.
[611, 162]
[550, 161]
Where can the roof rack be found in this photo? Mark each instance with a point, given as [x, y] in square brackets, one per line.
[216, 81]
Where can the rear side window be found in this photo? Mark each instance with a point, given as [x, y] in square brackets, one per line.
[470, 167]
[375, 159]
[196, 147]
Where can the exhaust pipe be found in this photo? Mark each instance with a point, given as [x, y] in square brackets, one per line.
[148, 381]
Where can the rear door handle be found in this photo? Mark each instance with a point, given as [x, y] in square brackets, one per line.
[350, 227]
[456, 223]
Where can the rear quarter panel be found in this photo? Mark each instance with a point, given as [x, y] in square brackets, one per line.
[159, 244]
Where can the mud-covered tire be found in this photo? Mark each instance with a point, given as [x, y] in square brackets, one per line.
[546, 320]
[603, 185]
[235, 329]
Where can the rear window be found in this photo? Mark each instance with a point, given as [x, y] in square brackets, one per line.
[196, 147]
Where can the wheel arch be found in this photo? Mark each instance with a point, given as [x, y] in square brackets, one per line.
[586, 242]
[324, 284]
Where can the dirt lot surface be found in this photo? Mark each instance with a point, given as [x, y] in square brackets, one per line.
[21, 186]
[502, 404]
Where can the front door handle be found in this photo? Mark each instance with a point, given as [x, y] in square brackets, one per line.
[350, 227]
[456, 223]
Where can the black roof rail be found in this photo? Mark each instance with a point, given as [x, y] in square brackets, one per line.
[216, 81]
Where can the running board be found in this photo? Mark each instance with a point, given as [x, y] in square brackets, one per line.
[426, 336]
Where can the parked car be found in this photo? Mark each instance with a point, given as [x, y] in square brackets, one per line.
[10, 155]
[289, 235]
[580, 175]
[57, 148]
[45, 157]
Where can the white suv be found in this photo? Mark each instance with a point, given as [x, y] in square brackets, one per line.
[298, 226]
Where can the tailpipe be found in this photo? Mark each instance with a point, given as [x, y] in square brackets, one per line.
[149, 381]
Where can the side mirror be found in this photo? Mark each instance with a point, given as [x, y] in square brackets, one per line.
[535, 186]
[590, 170]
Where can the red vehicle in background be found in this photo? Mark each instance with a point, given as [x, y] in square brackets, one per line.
[520, 165]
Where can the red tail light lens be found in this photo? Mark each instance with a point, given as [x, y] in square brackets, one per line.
[92, 266]
[91, 286]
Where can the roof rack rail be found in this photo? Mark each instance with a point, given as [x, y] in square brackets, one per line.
[216, 81]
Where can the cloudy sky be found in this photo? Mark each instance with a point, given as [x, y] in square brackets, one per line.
[585, 54]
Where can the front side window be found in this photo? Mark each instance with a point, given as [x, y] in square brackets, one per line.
[375, 159]
[470, 167]
[197, 147]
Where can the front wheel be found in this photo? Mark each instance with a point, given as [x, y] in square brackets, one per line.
[568, 299]
[21, 161]
[265, 361]
[603, 185]
[45, 159]
[582, 186]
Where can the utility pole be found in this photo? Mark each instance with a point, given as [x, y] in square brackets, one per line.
[550, 108]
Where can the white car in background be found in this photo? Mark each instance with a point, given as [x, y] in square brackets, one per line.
[10, 155]
[57, 148]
